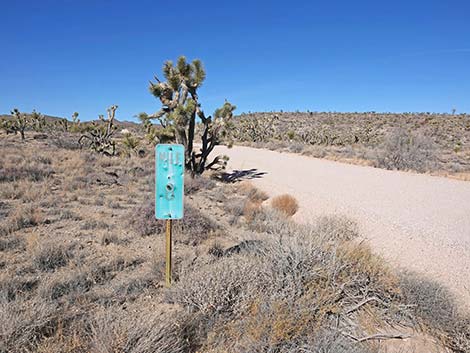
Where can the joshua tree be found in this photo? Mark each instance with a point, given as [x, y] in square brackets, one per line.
[75, 125]
[38, 121]
[180, 106]
[99, 136]
[75, 118]
[20, 122]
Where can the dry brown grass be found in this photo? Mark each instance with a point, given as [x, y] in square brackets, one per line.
[22, 217]
[286, 204]
[250, 209]
[196, 184]
[48, 256]
[252, 193]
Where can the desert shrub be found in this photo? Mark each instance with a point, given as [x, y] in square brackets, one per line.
[116, 331]
[248, 205]
[252, 193]
[65, 141]
[330, 341]
[142, 220]
[31, 171]
[40, 326]
[285, 204]
[90, 224]
[436, 309]
[296, 147]
[337, 227]
[275, 145]
[216, 249]
[245, 247]
[287, 293]
[25, 191]
[114, 205]
[106, 270]
[65, 214]
[22, 217]
[26, 323]
[12, 243]
[259, 339]
[69, 337]
[222, 291]
[198, 183]
[403, 150]
[13, 286]
[110, 238]
[251, 210]
[234, 207]
[49, 256]
[131, 287]
[194, 228]
[64, 283]
[268, 220]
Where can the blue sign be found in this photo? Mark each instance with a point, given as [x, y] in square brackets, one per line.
[169, 181]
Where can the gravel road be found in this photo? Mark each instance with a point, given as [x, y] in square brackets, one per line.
[415, 221]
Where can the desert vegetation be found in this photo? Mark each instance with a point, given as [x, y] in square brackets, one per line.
[423, 142]
[82, 267]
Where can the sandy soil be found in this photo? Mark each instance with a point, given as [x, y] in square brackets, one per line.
[417, 222]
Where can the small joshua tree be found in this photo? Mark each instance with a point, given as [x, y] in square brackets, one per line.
[130, 143]
[75, 124]
[38, 121]
[180, 106]
[20, 122]
[75, 118]
[99, 136]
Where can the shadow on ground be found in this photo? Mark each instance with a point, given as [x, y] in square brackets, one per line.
[238, 175]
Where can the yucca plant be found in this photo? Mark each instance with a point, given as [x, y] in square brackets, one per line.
[130, 143]
[99, 136]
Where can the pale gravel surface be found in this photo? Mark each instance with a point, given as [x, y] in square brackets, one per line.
[415, 221]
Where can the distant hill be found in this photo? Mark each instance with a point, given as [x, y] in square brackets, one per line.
[49, 118]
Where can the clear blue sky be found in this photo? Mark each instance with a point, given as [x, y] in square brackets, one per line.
[84, 55]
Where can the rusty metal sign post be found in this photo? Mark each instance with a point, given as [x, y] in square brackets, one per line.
[169, 192]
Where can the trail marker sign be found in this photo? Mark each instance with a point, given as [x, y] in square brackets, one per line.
[169, 181]
[169, 193]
